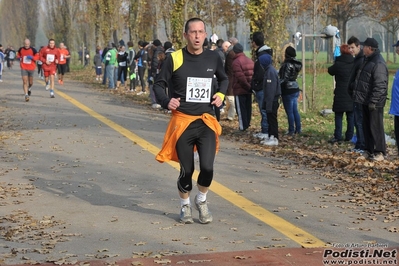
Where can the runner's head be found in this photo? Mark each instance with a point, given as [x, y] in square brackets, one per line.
[62, 46]
[51, 43]
[27, 43]
[195, 34]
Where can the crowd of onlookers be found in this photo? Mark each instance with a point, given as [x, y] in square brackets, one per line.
[360, 93]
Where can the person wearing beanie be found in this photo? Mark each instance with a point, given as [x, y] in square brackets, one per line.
[243, 69]
[157, 42]
[168, 47]
[290, 52]
[288, 74]
[237, 48]
[371, 90]
[271, 92]
[258, 44]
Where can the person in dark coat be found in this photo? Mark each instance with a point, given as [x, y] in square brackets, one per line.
[243, 69]
[343, 103]
[371, 90]
[288, 75]
[271, 94]
[357, 53]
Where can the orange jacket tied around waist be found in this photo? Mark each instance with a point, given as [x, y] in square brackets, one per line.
[177, 125]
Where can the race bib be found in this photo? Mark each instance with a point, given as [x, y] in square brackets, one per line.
[50, 57]
[198, 90]
[25, 60]
[62, 57]
[122, 63]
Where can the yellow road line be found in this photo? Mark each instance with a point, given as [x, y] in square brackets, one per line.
[293, 232]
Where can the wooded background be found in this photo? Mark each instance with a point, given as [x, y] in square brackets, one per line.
[96, 22]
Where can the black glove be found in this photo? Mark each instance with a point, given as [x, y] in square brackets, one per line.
[372, 107]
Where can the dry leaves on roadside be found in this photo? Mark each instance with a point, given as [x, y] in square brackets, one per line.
[367, 183]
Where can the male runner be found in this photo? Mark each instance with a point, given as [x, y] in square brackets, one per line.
[62, 64]
[193, 125]
[27, 56]
[49, 55]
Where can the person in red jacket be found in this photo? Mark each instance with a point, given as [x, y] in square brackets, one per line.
[50, 56]
[62, 64]
[243, 69]
[27, 56]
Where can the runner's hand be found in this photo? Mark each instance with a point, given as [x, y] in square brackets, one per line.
[174, 103]
[217, 101]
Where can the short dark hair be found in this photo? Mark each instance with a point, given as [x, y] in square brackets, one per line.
[219, 42]
[192, 20]
[354, 40]
[129, 44]
[344, 49]
[258, 38]
[51, 40]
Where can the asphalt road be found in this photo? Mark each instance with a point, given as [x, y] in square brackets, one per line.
[79, 181]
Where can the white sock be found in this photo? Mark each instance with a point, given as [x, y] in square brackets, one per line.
[184, 202]
[201, 197]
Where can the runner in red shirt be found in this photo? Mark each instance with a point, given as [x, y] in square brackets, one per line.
[50, 56]
[27, 56]
[64, 54]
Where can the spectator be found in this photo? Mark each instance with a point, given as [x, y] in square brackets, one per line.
[87, 56]
[110, 63]
[394, 110]
[98, 64]
[371, 88]
[122, 58]
[228, 66]
[243, 69]
[156, 49]
[258, 43]
[357, 53]
[271, 95]
[2, 56]
[103, 54]
[141, 57]
[288, 74]
[131, 63]
[343, 102]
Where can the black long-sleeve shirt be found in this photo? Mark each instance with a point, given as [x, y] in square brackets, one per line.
[191, 78]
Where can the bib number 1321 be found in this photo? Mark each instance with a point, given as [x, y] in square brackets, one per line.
[198, 90]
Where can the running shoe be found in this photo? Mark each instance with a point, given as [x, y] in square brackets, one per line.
[185, 214]
[47, 85]
[52, 94]
[205, 216]
[26, 98]
[140, 92]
